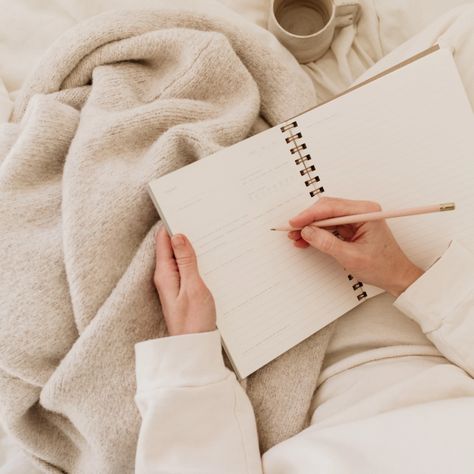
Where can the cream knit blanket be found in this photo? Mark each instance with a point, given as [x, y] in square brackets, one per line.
[115, 102]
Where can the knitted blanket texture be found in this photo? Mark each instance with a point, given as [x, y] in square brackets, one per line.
[121, 99]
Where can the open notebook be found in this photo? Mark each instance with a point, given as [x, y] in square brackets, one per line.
[404, 139]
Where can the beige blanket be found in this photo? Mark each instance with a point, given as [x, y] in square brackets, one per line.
[115, 102]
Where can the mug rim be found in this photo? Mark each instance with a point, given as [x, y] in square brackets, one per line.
[333, 14]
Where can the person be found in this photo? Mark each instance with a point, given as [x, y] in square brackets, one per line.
[396, 393]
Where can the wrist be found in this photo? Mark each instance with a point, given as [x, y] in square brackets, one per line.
[405, 278]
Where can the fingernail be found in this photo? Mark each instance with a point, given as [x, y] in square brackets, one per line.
[307, 232]
[177, 241]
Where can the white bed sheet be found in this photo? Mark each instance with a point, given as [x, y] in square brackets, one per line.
[28, 27]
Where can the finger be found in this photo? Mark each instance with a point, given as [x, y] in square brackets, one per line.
[185, 259]
[345, 231]
[294, 235]
[326, 242]
[327, 207]
[166, 275]
[301, 244]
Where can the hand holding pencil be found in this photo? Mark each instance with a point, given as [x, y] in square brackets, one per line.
[367, 249]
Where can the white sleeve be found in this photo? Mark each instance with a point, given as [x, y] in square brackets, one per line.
[195, 415]
[441, 301]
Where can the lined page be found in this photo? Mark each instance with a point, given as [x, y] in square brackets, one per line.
[269, 294]
[404, 140]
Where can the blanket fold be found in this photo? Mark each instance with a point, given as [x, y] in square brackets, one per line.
[115, 102]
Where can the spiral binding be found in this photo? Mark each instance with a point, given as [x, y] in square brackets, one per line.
[303, 158]
[356, 286]
[312, 180]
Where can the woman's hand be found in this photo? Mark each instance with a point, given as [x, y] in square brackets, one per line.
[188, 305]
[369, 251]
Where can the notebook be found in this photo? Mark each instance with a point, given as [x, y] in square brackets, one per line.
[404, 139]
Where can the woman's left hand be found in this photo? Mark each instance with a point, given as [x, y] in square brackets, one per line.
[188, 305]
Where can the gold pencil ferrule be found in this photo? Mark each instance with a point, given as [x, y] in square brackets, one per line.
[447, 206]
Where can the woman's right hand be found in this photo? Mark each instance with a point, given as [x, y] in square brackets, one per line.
[369, 250]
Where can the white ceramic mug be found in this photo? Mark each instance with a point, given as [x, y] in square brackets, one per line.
[307, 27]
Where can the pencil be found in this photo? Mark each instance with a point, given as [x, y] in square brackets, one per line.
[373, 216]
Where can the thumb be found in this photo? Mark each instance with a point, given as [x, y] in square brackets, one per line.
[185, 257]
[325, 241]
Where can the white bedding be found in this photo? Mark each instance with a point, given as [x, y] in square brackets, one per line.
[28, 27]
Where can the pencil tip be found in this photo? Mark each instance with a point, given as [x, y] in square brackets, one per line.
[272, 228]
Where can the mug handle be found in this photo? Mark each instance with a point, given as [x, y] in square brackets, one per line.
[347, 12]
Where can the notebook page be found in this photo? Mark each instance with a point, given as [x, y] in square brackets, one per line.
[269, 294]
[404, 140]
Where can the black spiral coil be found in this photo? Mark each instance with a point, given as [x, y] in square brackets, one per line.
[303, 158]
[293, 138]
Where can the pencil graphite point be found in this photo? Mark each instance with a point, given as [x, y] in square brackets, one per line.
[447, 206]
